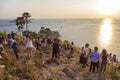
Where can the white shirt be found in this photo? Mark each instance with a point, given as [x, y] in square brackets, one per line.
[11, 41]
[85, 51]
[29, 44]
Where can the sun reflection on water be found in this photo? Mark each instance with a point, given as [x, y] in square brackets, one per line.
[106, 32]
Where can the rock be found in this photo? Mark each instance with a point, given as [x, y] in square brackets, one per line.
[52, 62]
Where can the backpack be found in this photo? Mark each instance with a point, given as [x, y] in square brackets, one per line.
[15, 45]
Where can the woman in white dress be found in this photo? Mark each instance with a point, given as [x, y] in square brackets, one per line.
[29, 47]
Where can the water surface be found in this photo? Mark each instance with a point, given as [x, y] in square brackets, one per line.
[103, 33]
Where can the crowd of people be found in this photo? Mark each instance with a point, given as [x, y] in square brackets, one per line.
[96, 60]
[9, 42]
[93, 58]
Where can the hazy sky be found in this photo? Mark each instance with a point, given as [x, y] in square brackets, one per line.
[60, 8]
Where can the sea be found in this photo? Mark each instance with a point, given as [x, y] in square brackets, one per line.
[103, 33]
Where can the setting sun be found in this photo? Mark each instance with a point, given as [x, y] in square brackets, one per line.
[106, 31]
[107, 7]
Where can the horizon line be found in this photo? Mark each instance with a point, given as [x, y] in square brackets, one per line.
[58, 18]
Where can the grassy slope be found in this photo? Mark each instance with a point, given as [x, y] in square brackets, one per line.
[41, 67]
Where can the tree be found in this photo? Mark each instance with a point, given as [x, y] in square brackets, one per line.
[42, 30]
[48, 32]
[26, 16]
[20, 22]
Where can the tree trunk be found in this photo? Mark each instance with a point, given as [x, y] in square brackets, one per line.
[26, 26]
[26, 22]
[21, 33]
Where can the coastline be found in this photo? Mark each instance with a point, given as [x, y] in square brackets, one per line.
[41, 66]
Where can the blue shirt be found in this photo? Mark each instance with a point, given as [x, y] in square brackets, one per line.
[95, 56]
[55, 46]
[14, 45]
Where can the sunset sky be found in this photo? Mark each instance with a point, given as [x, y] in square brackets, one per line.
[10, 9]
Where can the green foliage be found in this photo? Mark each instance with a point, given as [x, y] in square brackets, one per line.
[115, 76]
[47, 32]
[3, 33]
[32, 34]
[26, 16]
[20, 22]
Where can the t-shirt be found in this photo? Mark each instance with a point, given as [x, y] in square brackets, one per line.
[39, 41]
[115, 60]
[85, 51]
[55, 46]
[95, 56]
[11, 41]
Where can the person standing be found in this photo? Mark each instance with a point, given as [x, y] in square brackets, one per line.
[85, 55]
[114, 63]
[29, 46]
[24, 39]
[9, 38]
[94, 59]
[39, 43]
[71, 48]
[48, 42]
[14, 46]
[59, 49]
[115, 60]
[12, 34]
[4, 41]
[104, 60]
[55, 49]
